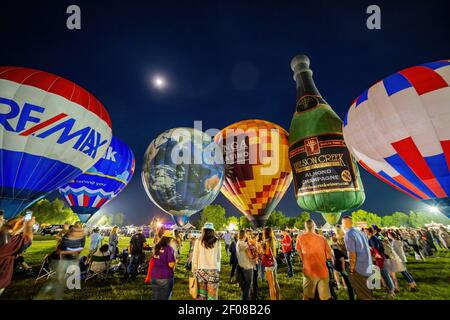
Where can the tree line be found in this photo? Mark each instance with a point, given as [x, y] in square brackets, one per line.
[55, 212]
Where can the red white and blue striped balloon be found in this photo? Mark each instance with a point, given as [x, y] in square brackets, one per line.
[88, 192]
[399, 130]
[51, 130]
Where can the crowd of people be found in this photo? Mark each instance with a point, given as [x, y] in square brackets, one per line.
[360, 260]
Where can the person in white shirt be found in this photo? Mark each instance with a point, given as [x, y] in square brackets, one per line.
[247, 263]
[206, 263]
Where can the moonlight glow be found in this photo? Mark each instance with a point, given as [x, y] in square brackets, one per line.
[159, 82]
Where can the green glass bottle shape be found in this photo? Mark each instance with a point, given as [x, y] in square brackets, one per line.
[326, 176]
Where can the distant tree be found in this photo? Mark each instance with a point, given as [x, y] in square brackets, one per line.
[53, 212]
[359, 215]
[301, 219]
[216, 214]
[370, 218]
[233, 220]
[118, 219]
[400, 219]
[387, 221]
[290, 223]
[244, 223]
[277, 220]
[105, 220]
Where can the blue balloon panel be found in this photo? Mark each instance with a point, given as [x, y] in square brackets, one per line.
[97, 186]
[26, 178]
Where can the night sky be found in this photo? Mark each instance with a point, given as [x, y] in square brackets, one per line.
[224, 61]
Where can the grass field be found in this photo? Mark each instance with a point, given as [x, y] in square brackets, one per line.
[432, 277]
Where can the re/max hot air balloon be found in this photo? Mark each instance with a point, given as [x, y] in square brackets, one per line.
[182, 172]
[87, 193]
[399, 130]
[257, 172]
[51, 130]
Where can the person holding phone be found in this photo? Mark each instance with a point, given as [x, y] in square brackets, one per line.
[18, 235]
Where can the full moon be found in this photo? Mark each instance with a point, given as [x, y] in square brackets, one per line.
[159, 82]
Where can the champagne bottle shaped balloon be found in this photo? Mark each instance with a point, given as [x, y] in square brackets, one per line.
[326, 177]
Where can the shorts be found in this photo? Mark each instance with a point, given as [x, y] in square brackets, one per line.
[311, 284]
[272, 268]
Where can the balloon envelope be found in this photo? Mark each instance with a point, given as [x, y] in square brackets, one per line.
[257, 171]
[181, 174]
[90, 191]
[51, 130]
[399, 131]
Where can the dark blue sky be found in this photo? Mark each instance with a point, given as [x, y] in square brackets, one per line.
[225, 60]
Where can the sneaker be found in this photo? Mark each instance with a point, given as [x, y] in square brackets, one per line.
[390, 296]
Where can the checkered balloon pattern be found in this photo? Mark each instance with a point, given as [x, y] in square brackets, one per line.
[257, 170]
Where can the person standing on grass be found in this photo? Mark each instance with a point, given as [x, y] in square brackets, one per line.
[17, 235]
[340, 259]
[136, 248]
[377, 250]
[286, 247]
[96, 239]
[360, 259]
[227, 239]
[268, 260]
[113, 242]
[206, 263]
[252, 246]
[162, 275]
[430, 239]
[233, 257]
[314, 251]
[444, 237]
[395, 264]
[246, 261]
[261, 268]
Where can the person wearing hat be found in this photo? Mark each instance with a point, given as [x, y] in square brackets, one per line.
[162, 267]
[206, 263]
[96, 239]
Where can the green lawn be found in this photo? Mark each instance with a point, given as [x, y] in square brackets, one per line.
[432, 277]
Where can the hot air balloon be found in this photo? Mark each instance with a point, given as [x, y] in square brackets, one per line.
[257, 172]
[51, 130]
[399, 130]
[182, 172]
[87, 193]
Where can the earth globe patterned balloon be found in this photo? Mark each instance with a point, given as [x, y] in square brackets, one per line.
[51, 130]
[102, 182]
[182, 172]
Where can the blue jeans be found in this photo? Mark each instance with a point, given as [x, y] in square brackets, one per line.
[288, 257]
[133, 265]
[387, 278]
[408, 277]
[162, 289]
[262, 270]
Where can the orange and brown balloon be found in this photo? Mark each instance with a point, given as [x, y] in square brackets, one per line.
[257, 170]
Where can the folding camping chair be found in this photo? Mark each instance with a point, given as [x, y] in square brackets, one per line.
[46, 271]
[100, 273]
